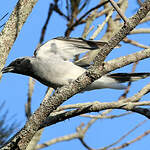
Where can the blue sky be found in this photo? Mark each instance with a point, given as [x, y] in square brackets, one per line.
[14, 87]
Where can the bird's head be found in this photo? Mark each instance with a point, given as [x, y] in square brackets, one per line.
[20, 66]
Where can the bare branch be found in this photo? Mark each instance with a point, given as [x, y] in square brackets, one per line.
[30, 92]
[104, 116]
[84, 144]
[141, 30]
[51, 8]
[126, 40]
[13, 27]
[124, 136]
[72, 26]
[119, 11]
[145, 19]
[35, 140]
[132, 141]
[3, 17]
[126, 60]
[59, 139]
[101, 26]
[124, 95]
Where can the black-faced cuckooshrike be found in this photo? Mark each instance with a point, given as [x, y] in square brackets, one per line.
[51, 65]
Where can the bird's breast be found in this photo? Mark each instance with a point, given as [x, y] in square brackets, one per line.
[55, 73]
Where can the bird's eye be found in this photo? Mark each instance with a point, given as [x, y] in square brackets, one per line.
[18, 62]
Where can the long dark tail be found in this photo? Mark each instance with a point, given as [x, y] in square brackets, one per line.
[125, 77]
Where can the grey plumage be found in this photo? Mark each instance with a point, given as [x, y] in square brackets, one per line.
[51, 65]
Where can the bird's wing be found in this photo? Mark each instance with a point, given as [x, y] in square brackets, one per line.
[67, 48]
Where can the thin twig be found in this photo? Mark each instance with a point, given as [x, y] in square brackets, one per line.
[30, 92]
[84, 130]
[132, 141]
[125, 19]
[51, 8]
[147, 18]
[57, 10]
[101, 26]
[140, 30]
[104, 116]
[58, 139]
[89, 21]
[3, 17]
[96, 7]
[124, 136]
[139, 2]
[70, 28]
[127, 40]
[84, 144]
[124, 95]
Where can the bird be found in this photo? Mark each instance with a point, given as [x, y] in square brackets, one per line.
[52, 65]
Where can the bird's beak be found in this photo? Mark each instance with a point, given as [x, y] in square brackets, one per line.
[7, 69]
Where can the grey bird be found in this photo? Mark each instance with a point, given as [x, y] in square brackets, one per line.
[52, 66]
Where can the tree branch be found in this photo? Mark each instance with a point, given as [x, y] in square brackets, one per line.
[13, 27]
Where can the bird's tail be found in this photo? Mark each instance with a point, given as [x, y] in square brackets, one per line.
[114, 80]
[126, 77]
